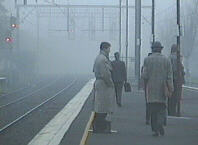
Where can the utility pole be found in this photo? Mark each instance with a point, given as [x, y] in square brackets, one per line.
[153, 21]
[127, 32]
[137, 39]
[38, 35]
[178, 56]
[17, 30]
[120, 26]
[103, 16]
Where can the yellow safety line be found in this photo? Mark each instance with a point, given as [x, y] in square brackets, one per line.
[87, 132]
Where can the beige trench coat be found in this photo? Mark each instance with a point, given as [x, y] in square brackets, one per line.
[104, 93]
[156, 70]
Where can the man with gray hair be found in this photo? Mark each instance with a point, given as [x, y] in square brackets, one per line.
[157, 71]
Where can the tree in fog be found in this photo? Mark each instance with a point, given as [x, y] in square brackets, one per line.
[3, 24]
[190, 24]
[167, 35]
[2, 8]
[167, 30]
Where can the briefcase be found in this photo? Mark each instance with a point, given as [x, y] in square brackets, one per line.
[127, 87]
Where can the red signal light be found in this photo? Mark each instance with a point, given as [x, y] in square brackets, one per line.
[14, 25]
[8, 39]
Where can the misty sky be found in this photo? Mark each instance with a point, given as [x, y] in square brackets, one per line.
[160, 4]
[58, 51]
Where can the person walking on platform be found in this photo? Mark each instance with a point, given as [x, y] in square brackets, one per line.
[144, 86]
[178, 81]
[104, 93]
[157, 72]
[119, 76]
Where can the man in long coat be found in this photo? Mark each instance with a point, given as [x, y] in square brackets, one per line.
[178, 81]
[156, 71]
[104, 93]
[143, 85]
[119, 76]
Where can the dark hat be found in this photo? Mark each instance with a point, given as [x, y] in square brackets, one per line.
[157, 44]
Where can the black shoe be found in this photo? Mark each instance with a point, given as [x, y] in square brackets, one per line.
[162, 132]
[156, 134]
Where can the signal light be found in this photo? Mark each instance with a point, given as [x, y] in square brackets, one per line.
[13, 22]
[8, 39]
[14, 25]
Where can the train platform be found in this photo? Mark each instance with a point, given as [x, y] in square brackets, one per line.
[129, 122]
[68, 125]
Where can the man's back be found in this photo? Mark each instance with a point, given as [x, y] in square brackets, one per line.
[157, 70]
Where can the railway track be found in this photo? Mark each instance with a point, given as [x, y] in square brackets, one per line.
[27, 95]
[19, 89]
[20, 118]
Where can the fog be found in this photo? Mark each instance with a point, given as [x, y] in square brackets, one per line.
[61, 52]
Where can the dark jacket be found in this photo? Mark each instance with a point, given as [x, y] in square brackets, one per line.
[173, 59]
[119, 73]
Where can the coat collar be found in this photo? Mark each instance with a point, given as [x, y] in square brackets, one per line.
[156, 53]
[104, 53]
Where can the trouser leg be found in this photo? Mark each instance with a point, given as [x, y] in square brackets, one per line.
[178, 105]
[148, 112]
[118, 90]
[172, 106]
[158, 114]
[99, 123]
[154, 121]
[178, 108]
[161, 117]
[153, 116]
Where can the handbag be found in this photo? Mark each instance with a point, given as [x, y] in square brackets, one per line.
[127, 87]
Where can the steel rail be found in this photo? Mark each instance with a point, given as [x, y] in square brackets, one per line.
[28, 95]
[17, 90]
[38, 106]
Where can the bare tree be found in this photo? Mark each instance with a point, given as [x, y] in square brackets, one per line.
[189, 40]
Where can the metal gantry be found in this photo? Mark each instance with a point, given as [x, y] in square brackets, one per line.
[101, 13]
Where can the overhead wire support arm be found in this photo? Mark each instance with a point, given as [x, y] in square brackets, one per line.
[120, 27]
[127, 32]
[153, 21]
[82, 6]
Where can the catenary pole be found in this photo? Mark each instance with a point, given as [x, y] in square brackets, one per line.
[137, 39]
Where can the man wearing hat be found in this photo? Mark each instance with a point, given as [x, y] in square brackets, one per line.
[119, 76]
[157, 70]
